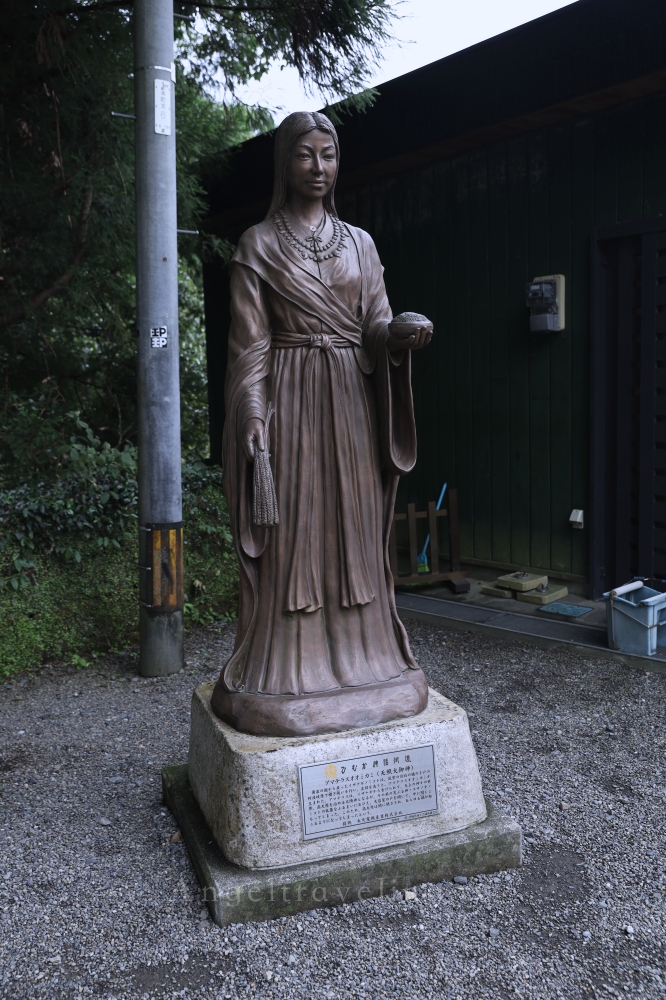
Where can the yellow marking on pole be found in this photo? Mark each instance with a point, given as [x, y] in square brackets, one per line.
[157, 567]
[180, 589]
[171, 597]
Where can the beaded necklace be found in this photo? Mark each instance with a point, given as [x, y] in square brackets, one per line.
[311, 248]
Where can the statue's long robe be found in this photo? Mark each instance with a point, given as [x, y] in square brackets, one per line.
[317, 611]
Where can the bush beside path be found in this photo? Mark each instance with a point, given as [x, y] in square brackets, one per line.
[69, 557]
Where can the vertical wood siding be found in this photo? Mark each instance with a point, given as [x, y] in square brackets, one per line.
[503, 414]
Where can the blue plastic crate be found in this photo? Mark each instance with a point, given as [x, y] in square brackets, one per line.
[635, 616]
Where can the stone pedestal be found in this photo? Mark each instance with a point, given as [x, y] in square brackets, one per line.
[275, 825]
[248, 787]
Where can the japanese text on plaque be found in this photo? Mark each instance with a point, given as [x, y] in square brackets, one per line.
[342, 795]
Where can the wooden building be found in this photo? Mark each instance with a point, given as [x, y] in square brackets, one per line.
[539, 151]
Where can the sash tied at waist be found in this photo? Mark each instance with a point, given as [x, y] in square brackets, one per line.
[324, 381]
[323, 341]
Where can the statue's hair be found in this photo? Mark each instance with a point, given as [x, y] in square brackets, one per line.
[292, 128]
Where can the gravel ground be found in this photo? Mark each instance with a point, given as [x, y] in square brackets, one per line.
[95, 900]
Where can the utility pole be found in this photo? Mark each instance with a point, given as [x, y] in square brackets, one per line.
[160, 491]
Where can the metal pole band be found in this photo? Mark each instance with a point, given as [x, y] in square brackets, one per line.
[161, 575]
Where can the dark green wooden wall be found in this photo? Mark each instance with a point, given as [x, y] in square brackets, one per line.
[503, 414]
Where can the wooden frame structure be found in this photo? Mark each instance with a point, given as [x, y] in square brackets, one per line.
[454, 575]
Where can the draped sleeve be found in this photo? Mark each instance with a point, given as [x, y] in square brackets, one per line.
[245, 396]
[250, 326]
[392, 370]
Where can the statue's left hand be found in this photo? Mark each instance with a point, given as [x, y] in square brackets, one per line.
[253, 437]
[409, 337]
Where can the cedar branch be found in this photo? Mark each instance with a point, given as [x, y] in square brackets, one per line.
[114, 5]
[38, 300]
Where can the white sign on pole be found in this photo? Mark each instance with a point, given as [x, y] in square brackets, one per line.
[163, 107]
[158, 336]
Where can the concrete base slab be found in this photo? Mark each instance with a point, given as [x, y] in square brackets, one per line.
[239, 895]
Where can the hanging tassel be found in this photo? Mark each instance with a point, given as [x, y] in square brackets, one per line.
[265, 508]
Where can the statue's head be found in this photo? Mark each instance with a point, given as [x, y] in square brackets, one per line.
[303, 139]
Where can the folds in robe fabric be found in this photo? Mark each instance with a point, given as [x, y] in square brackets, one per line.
[317, 613]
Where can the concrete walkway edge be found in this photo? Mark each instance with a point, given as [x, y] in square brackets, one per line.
[582, 639]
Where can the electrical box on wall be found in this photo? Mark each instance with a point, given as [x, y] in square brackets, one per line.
[545, 299]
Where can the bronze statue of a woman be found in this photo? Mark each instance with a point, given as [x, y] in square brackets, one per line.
[320, 647]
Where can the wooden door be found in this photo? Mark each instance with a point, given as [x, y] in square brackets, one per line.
[628, 405]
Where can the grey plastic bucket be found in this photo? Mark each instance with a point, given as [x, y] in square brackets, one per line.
[636, 616]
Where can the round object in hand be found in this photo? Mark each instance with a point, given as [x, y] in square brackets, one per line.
[406, 322]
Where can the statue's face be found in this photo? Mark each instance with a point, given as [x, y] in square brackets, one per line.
[312, 165]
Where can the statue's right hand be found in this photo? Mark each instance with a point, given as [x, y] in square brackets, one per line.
[254, 436]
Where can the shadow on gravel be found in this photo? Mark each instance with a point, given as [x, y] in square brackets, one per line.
[13, 760]
[617, 787]
[555, 890]
[196, 973]
[398, 918]
[511, 707]
[554, 879]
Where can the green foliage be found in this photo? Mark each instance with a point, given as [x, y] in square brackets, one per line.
[355, 104]
[88, 493]
[211, 567]
[68, 554]
[332, 43]
[193, 377]
[72, 610]
[67, 290]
